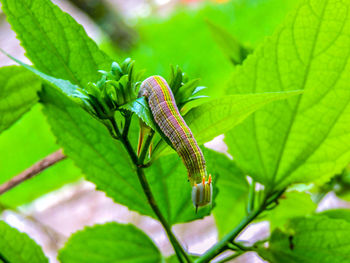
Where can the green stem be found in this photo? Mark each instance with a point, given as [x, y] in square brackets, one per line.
[222, 244]
[230, 237]
[145, 148]
[180, 252]
[235, 255]
[126, 125]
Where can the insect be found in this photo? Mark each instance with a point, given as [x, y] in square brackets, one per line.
[167, 116]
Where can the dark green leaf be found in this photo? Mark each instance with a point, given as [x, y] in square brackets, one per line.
[111, 242]
[17, 247]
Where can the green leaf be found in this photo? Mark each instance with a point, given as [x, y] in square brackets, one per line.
[230, 203]
[17, 247]
[104, 162]
[220, 115]
[55, 43]
[88, 143]
[234, 50]
[20, 149]
[316, 239]
[337, 213]
[290, 205]
[110, 242]
[18, 89]
[172, 191]
[64, 86]
[305, 138]
[141, 108]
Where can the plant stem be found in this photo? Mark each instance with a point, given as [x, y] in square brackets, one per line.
[230, 237]
[221, 245]
[180, 252]
[145, 148]
[127, 125]
[235, 255]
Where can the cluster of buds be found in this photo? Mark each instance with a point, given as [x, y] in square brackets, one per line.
[184, 90]
[115, 88]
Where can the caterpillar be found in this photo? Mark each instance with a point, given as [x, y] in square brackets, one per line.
[167, 116]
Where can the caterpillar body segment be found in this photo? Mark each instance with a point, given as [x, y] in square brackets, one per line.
[167, 116]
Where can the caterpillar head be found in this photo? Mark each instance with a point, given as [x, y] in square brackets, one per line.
[202, 193]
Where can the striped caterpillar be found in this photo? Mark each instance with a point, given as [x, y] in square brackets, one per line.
[167, 116]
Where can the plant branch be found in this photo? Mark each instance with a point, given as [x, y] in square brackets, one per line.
[233, 256]
[230, 237]
[180, 252]
[32, 171]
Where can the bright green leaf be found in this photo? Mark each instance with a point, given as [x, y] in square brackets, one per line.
[316, 239]
[18, 89]
[17, 247]
[220, 115]
[111, 242]
[307, 137]
[55, 43]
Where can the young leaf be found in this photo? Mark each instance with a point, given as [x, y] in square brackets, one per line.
[305, 138]
[18, 89]
[142, 110]
[18, 247]
[317, 239]
[110, 242]
[220, 115]
[55, 43]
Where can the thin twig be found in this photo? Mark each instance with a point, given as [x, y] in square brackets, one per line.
[32, 171]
